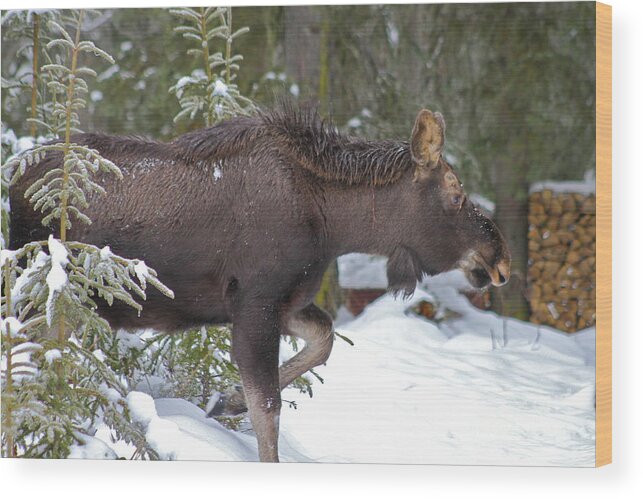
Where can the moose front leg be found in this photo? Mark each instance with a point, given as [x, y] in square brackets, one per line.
[255, 346]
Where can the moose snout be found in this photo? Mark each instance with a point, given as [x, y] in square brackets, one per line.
[480, 273]
[500, 273]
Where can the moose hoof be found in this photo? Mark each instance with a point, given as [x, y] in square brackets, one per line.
[230, 403]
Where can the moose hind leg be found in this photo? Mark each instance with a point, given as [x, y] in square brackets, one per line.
[255, 344]
[311, 324]
[315, 327]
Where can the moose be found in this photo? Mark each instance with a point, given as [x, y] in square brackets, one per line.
[242, 219]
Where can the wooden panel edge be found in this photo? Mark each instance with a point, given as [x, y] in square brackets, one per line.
[603, 234]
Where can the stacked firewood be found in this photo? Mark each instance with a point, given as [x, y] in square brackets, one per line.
[562, 259]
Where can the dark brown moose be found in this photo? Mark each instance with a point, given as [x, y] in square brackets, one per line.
[242, 219]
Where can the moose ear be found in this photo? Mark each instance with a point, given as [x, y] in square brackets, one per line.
[427, 139]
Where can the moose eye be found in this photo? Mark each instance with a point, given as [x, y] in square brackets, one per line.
[456, 200]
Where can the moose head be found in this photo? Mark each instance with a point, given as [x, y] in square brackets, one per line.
[448, 231]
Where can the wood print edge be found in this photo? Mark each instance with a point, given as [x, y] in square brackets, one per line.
[603, 234]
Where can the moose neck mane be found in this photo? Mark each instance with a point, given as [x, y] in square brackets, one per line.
[320, 149]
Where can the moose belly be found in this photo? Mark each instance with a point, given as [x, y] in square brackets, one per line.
[197, 302]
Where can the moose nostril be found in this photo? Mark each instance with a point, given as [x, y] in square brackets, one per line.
[504, 271]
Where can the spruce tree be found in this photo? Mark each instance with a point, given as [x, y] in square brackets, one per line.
[210, 91]
[56, 386]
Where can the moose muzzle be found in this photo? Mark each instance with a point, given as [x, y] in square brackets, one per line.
[500, 273]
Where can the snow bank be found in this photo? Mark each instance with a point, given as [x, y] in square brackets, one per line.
[360, 271]
[91, 448]
[467, 391]
[177, 429]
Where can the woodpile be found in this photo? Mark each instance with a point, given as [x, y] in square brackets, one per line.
[562, 259]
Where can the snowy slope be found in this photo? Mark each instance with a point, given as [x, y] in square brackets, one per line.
[464, 391]
[412, 392]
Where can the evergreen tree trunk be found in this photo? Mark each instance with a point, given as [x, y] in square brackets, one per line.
[324, 75]
[330, 296]
[301, 47]
[511, 216]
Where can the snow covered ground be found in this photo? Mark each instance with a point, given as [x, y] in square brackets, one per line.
[469, 389]
[410, 391]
